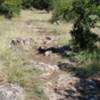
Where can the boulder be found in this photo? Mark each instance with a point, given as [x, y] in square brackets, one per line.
[11, 92]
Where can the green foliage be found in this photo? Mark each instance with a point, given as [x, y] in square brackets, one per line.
[10, 7]
[87, 63]
[39, 4]
[85, 14]
[59, 7]
[27, 3]
[88, 70]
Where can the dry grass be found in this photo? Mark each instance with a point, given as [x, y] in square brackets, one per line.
[27, 25]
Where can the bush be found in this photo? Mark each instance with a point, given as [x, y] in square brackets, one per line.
[41, 4]
[10, 7]
[27, 3]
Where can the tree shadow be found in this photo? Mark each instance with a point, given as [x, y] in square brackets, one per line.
[88, 90]
[56, 50]
[84, 89]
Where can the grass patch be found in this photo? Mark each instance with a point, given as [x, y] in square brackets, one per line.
[19, 71]
[88, 70]
[87, 62]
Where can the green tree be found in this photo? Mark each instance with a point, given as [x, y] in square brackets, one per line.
[85, 14]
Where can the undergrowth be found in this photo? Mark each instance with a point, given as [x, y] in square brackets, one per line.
[87, 63]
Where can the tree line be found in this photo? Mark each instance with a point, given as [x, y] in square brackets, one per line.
[11, 8]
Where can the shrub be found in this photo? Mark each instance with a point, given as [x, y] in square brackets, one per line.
[27, 3]
[10, 7]
[41, 4]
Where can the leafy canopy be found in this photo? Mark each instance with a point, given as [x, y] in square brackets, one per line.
[84, 14]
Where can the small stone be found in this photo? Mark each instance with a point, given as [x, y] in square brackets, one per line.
[48, 53]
